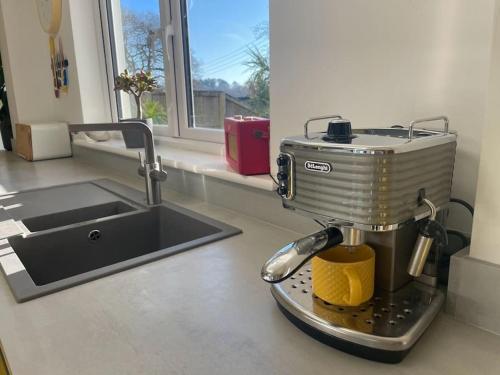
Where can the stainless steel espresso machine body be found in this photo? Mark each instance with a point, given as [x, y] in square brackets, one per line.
[388, 188]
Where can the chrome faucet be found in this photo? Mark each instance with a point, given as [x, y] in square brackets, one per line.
[150, 168]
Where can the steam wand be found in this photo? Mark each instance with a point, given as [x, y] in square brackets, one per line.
[430, 231]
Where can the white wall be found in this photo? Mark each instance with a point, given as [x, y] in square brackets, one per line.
[485, 240]
[25, 51]
[383, 62]
[90, 61]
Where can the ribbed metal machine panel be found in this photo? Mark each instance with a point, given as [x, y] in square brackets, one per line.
[371, 189]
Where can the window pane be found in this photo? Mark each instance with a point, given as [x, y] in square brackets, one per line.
[138, 46]
[228, 61]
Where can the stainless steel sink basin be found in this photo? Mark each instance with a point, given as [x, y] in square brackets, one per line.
[61, 254]
[60, 219]
[78, 245]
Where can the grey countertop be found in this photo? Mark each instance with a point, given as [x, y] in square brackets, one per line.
[204, 311]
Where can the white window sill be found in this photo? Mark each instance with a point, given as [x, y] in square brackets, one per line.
[211, 163]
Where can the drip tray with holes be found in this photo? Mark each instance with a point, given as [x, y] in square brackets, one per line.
[383, 329]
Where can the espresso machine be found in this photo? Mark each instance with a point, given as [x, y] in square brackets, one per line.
[388, 188]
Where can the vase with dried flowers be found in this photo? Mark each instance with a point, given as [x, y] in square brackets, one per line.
[135, 84]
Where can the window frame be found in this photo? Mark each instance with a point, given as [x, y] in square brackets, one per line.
[173, 23]
[183, 64]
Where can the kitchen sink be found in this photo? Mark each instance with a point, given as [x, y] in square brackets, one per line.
[61, 254]
[66, 248]
[59, 219]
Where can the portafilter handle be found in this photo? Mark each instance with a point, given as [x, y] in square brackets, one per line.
[291, 257]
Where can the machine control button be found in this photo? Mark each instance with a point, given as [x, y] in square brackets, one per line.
[282, 176]
[339, 131]
[282, 161]
[282, 190]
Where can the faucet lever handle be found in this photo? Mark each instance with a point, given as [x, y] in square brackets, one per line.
[159, 174]
[141, 169]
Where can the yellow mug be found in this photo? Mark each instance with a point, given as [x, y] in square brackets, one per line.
[344, 275]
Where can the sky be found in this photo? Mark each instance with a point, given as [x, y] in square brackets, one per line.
[220, 32]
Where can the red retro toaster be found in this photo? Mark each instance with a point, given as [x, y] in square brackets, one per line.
[247, 144]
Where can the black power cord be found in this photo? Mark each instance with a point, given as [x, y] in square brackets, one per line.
[456, 242]
[467, 205]
[274, 180]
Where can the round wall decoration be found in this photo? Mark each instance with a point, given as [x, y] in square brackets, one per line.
[49, 14]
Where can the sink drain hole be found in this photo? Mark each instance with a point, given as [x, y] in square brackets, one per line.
[94, 235]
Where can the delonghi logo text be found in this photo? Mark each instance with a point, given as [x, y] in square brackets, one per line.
[318, 166]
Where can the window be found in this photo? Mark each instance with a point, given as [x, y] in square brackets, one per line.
[210, 58]
[138, 45]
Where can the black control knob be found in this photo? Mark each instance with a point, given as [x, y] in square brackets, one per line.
[282, 176]
[282, 190]
[282, 161]
[339, 131]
